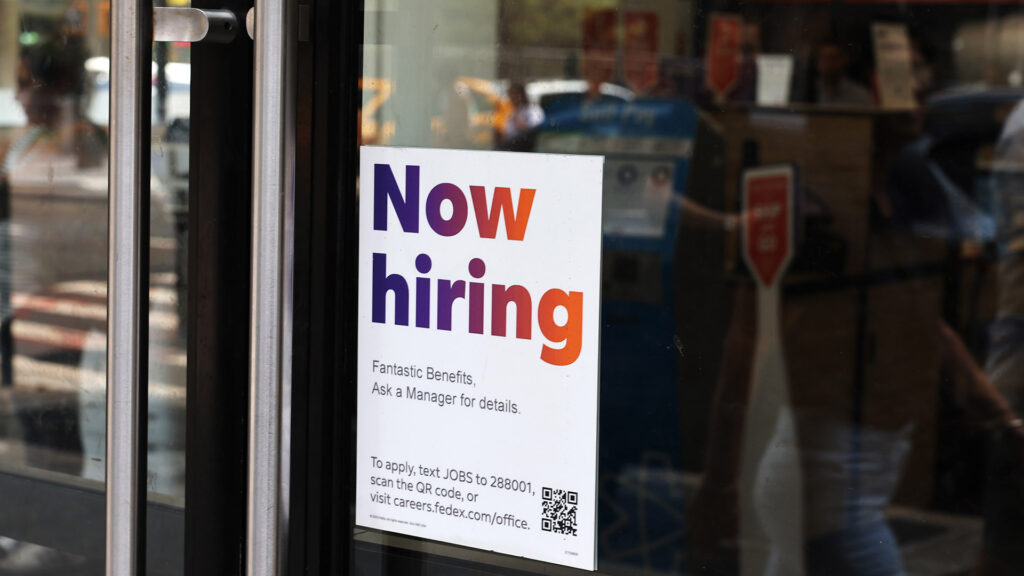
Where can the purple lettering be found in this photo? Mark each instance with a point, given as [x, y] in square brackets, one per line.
[476, 297]
[447, 293]
[384, 283]
[423, 265]
[406, 208]
[460, 211]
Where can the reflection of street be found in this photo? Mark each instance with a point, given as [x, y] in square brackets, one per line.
[56, 272]
[60, 364]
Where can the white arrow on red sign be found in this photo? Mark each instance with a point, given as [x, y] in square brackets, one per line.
[768, 213]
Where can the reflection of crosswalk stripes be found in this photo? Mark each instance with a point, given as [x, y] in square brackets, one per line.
[161, 290]
[83, 309]
[59, 335]
[55, 377]
[46, 334]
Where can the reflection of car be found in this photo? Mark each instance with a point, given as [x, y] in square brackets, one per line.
[179, 81]
[544, 92]
[376, 92]
[486, 106]
[484, 102]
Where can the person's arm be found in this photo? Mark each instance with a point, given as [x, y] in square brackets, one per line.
[709, 216]
[983, 402]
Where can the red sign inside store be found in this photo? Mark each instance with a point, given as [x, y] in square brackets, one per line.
[640, 46]
[768, 213]
[723, 54]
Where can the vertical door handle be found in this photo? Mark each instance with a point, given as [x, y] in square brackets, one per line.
[130, 56]
[269, 344]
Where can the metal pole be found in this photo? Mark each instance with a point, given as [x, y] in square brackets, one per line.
[263, 547]
[129, 122]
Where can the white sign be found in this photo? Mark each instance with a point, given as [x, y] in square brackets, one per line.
[774, 76]
[894, 65]
[478, 349]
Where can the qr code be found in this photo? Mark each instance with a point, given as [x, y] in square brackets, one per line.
[559, 511]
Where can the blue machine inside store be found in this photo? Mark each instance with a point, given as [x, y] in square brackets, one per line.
[652, 151]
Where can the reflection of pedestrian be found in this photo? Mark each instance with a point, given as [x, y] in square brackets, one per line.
[55, 143]
[1003, 551]
[666, 86]
[924, 199]
[844, 532]
[833, 86]
[524, 117]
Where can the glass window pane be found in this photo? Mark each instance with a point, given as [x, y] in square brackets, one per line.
[168, 262]
[169, 161]
[53, 266]
[839, 393]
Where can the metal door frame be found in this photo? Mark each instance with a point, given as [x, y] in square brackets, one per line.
[328, 68]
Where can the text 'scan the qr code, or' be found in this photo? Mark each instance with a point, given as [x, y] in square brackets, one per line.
[558, 514]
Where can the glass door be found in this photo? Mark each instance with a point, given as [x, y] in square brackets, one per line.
[56, 246]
